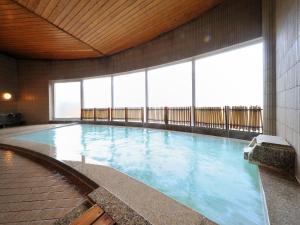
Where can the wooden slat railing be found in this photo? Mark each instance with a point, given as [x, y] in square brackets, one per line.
[156, 114]
[230, 118]
[135, 114]
[118, 114]
[245, 119]
[211, 117]
[102, 114]
[255, 122]
[238, 118]
[179, 116]
[87, 114]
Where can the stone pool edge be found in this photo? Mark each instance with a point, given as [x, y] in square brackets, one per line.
[140, 203]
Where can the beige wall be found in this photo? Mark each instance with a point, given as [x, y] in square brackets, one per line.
[8, 83]
[288, 73]
[232, 22]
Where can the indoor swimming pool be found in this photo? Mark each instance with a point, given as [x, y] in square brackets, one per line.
[207, 174]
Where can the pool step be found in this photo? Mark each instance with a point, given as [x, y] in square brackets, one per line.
[95, 215]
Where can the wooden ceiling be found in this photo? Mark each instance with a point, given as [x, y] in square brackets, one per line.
[72, 29]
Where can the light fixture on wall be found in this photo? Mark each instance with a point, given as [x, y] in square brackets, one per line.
[207, 38]
[7, 96]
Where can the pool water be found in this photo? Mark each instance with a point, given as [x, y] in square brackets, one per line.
[205, 173]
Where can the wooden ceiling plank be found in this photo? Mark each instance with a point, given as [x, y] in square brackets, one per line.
[58, 10]
[41, 6]
[49, 9]
[65, 12]
[109, 49]
[134, 20]
[55, 57]
[23, 2]
[32, 4]
[136, 39]
[72, 13]
[32, 34]
[49, 40]
[5, 6]
[106, 18]
[81, 15]
[154, 22]
[55, 39]
[52, 48]
[45, 35]
[22, 20]
[102, 28]
[86, 22]
[60, 28]
[5, 13]
[62, 45]
[140, 20]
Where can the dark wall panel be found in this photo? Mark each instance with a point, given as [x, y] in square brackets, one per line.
[8, 83]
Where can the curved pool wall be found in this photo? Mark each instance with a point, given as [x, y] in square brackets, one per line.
[205, 173]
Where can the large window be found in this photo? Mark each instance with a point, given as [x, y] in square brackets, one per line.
[129, 90]
[67, 100]
[170, 85]
[97, 93]
[231, 78]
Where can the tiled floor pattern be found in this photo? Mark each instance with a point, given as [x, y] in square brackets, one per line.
[283, 197]
[31, 193]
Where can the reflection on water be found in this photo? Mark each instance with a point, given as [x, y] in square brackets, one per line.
[205, 173]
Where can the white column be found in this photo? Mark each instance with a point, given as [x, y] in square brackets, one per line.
[81, 94]
[112, 91]
[193, 91]
[146, 95]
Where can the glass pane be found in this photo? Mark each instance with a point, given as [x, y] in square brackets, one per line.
[129, 90]
[170, 85]
[67, 100]
[231, 78]
[97, 92]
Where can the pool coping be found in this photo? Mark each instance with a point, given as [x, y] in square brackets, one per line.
[130, 201]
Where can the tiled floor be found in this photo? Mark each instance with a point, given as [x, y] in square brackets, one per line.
[31, 193]
[283, 197]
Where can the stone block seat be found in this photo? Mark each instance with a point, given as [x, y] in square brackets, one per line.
[271, 151]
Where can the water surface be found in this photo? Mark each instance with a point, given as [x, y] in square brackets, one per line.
[205, 173]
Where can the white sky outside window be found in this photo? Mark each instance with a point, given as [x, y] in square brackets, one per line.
[170, 85]
[232, 78]
[97, 92]
[129, 90]
[67, 100]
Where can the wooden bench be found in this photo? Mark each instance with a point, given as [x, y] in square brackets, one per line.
[94, 216]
